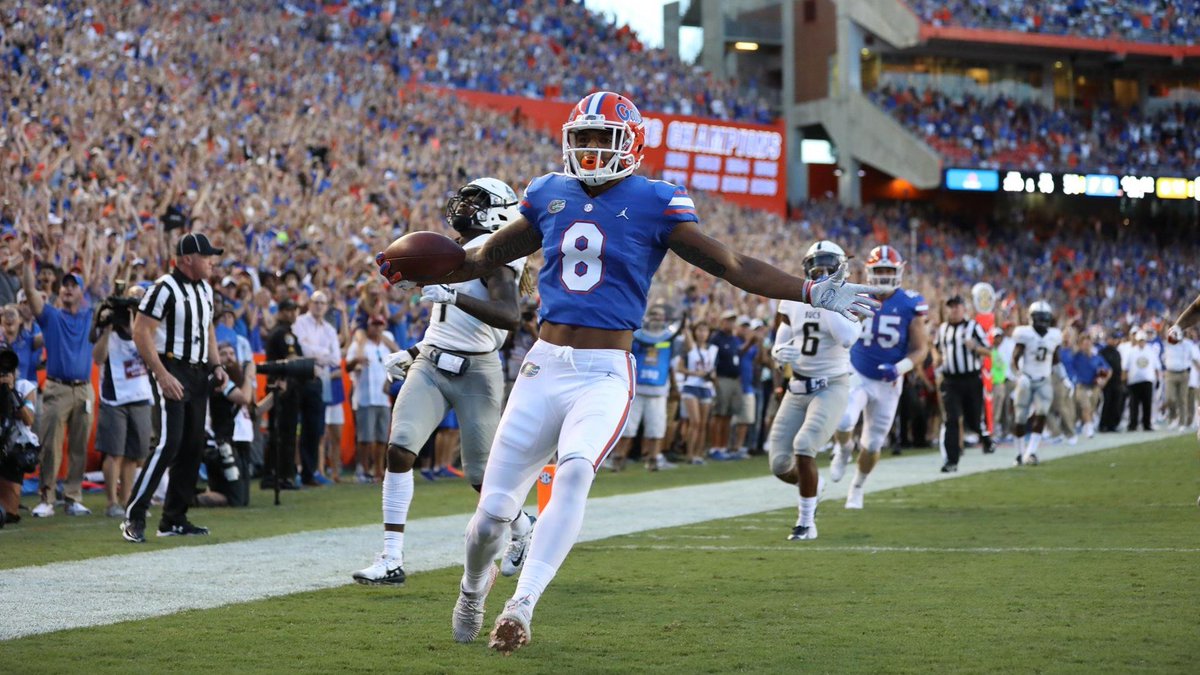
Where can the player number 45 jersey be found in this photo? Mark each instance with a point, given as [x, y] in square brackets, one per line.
[1039, 350]
[601, 251]
[884, 336]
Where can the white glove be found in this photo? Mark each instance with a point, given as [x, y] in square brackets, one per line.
[786, 352]
[836, 294]
[440, 294]
[1175, 333]
[397, 365]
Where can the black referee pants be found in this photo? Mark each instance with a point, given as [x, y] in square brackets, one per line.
[1114, 403]
[962, 401]
[1140, 397]
[180, 448]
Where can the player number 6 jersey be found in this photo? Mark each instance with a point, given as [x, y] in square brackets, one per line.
[824, 339]
[1039, 350]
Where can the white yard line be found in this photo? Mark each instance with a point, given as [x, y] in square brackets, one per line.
[146, 584]
[805, 548]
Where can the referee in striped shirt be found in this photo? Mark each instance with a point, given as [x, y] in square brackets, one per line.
[960, 345]
[175, 336]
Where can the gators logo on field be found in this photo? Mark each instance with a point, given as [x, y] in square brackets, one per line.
[530, 369]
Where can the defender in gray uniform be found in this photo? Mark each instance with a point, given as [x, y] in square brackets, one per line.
[812, 345]
[456, 366]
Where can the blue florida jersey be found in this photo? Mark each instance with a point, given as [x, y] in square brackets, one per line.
[884, 337]
[601, 251]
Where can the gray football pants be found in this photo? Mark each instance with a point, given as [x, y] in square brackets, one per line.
[475, 396]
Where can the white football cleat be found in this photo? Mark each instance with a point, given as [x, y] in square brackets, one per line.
[467, 620]
[514, 556]
[512, 629]
[837, 465]
[43, 510]
[854, 499]
[386, 570]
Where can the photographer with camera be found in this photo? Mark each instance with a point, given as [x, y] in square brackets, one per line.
[68, 398]
[19, 450]
[228, 453]
[124, 428]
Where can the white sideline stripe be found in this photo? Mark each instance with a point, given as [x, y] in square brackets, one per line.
[805, 548]
[98, 591]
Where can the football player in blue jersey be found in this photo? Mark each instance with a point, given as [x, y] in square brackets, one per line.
[892, 343]
[603, 232]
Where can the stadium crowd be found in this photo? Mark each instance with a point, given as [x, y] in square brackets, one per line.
[1002, 133]
[1156, 21]
[302, 158]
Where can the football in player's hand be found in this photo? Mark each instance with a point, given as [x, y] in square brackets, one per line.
[423, 256]
[1174, 335]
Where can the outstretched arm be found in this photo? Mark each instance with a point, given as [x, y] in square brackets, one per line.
[1188, 318]
[756, 276]
[511, 242]
[748, 274]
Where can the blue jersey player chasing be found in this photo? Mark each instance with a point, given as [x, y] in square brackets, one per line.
[603, 232]
[892, 343]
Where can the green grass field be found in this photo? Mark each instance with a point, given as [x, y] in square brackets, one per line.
[1088, 564]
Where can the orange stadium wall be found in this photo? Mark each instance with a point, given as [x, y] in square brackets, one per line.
[742, 162]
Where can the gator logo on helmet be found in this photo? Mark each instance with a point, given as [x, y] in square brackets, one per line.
[627, 114]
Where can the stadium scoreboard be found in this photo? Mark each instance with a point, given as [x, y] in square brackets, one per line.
[1072, 184]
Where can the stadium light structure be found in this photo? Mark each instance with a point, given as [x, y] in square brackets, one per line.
[746, 46]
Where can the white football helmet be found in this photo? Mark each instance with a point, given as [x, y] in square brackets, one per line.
[885, 267]
[823, 258]
[1041, 315]
[483, 204]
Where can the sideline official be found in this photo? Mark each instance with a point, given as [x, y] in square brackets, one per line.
[174, 334]
[961, 345]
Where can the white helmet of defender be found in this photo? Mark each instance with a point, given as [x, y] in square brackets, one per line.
[483, 204]
[823, 258]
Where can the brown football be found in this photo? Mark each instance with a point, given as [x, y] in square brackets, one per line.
[424, 256]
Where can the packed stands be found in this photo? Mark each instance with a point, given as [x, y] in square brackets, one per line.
[1154, 21]
[1005, 133]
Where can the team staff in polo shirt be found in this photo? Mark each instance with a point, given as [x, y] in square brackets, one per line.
[67, 398]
